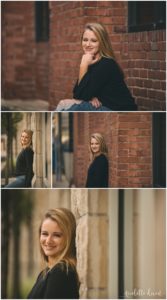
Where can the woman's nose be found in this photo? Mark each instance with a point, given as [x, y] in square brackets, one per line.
[49, 239]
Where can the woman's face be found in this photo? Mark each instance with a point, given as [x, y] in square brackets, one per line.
[25, 139]
[51, 238]
[90, 43]
[95, 146]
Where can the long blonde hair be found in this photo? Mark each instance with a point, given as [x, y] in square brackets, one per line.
[29, 132]
[103, 147]
[103, 38]
[66, 221]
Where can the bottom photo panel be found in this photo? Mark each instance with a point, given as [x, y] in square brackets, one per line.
[83, 243]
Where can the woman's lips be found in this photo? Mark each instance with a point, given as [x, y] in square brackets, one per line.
[49, 248]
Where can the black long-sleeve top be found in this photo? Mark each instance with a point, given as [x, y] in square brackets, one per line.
[57, 283]
[24, 165]
[98, 172]
[105, 80]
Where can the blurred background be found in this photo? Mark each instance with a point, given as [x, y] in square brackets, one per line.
[120, 240]
[12, 125]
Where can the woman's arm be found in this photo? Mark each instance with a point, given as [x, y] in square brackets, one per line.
[87, 60]
[96, 78]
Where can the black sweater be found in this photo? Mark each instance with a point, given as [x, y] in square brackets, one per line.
[98, 172]
[24, 165]
[58, 283]
[105, 80]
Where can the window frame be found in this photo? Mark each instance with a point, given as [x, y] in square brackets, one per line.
[133, 22]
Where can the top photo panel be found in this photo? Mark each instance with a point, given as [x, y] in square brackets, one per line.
[83, 56]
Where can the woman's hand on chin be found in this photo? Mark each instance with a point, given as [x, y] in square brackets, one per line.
[95, 102]
[88, 59]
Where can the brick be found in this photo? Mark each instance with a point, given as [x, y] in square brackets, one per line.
[141, 54]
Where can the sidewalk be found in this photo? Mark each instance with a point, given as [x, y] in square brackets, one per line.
[60, 184]
[24, 105]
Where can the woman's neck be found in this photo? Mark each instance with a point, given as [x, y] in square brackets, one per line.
[96, 155]
[52, 261]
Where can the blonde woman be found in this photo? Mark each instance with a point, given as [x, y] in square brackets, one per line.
[24, 163]
[100, 85]
[97, 176]
[59, 280]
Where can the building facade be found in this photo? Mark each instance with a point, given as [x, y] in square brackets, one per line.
[41, 47]
[132, 151]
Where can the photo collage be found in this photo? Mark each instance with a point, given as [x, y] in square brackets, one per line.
[83, 150]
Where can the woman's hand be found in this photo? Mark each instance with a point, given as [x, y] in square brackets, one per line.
[95, 102]
[87, 60]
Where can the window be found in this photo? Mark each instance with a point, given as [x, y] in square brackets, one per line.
[146, 15]
[159, 149]
[42, 21]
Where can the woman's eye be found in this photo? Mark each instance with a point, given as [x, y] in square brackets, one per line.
[44, 233]
[57, 235]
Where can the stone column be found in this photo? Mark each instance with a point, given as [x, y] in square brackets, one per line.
[90, 209]
[38, 155]
[149, 244]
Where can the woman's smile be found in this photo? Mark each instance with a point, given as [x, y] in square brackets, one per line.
[90, 43]
[25, 139]
[95, 146]
[51, 238]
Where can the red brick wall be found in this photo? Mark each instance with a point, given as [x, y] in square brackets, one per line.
[141, 55]
[128, 137]
[24, 62]
[27, 65]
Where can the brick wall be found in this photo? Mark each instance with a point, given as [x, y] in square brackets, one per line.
[24, 62]
[27, 65]
[141, 55]
[128, 137]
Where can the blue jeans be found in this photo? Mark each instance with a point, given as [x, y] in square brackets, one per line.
[17, 183]
[87, 106]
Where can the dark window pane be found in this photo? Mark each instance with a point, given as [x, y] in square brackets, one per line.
[42, 21]
[159, 149]
[146, 15]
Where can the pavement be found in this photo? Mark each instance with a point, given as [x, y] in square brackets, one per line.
[63, 183]
[24, 105]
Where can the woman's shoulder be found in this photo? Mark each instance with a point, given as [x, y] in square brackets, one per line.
[63, 268]
[102, 156]
[28, 150]
[109, 65]
[108, 60]
[102, 159]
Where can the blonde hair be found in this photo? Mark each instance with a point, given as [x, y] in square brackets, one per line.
[103, 38]
[100, 139]
[29, 132]
[66, 221]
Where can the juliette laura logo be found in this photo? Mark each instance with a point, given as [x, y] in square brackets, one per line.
[137, 293]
